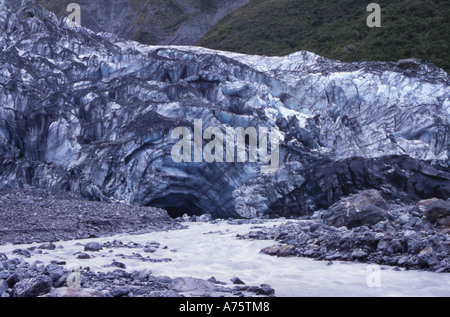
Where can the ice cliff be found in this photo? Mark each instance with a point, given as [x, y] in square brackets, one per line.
[93, 114]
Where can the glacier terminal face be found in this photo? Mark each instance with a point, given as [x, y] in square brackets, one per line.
[94, 114]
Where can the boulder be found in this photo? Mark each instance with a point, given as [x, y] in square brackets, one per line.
[120, 265]
[47, 246]
[436, 211]
[33, 287]
[365, 208]
[55, 272]
[358, 254]
[22, 252]
[92, 246]
[83, 256]
[13, 279]
[237, 281]
[279, 250]
[186, 284]
[120, 292]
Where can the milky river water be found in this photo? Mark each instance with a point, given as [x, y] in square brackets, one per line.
[204, 250]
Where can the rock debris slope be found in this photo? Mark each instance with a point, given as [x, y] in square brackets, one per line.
[93, 114]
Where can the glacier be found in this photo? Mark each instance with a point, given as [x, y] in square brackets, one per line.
[93, 113]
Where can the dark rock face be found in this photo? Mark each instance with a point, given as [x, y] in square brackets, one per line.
[396, 177]
[94, 114]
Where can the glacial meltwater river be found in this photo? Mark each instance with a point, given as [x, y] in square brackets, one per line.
[212, 249]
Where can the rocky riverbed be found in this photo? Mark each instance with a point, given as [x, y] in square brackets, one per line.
[19, 278]
[48, 215]
[198, 257]
[35, 224]
[366, 228]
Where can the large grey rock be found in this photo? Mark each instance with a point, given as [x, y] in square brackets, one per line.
[47, 246]
[33, 287]
[92, 246]
[279, 250]
[365, 208]
[436, 210]
[187, 284]
[94, 114]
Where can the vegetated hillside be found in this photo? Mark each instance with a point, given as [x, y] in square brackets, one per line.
[180, 22]
[338, 29]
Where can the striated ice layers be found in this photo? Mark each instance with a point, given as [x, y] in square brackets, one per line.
[92, 113]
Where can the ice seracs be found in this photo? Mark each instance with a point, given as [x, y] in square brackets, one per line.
[230, 146]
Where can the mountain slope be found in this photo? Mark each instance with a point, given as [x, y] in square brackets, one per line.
[337, 29]
[178, 22]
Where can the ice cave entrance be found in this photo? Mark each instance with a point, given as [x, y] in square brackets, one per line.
[177, 205]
